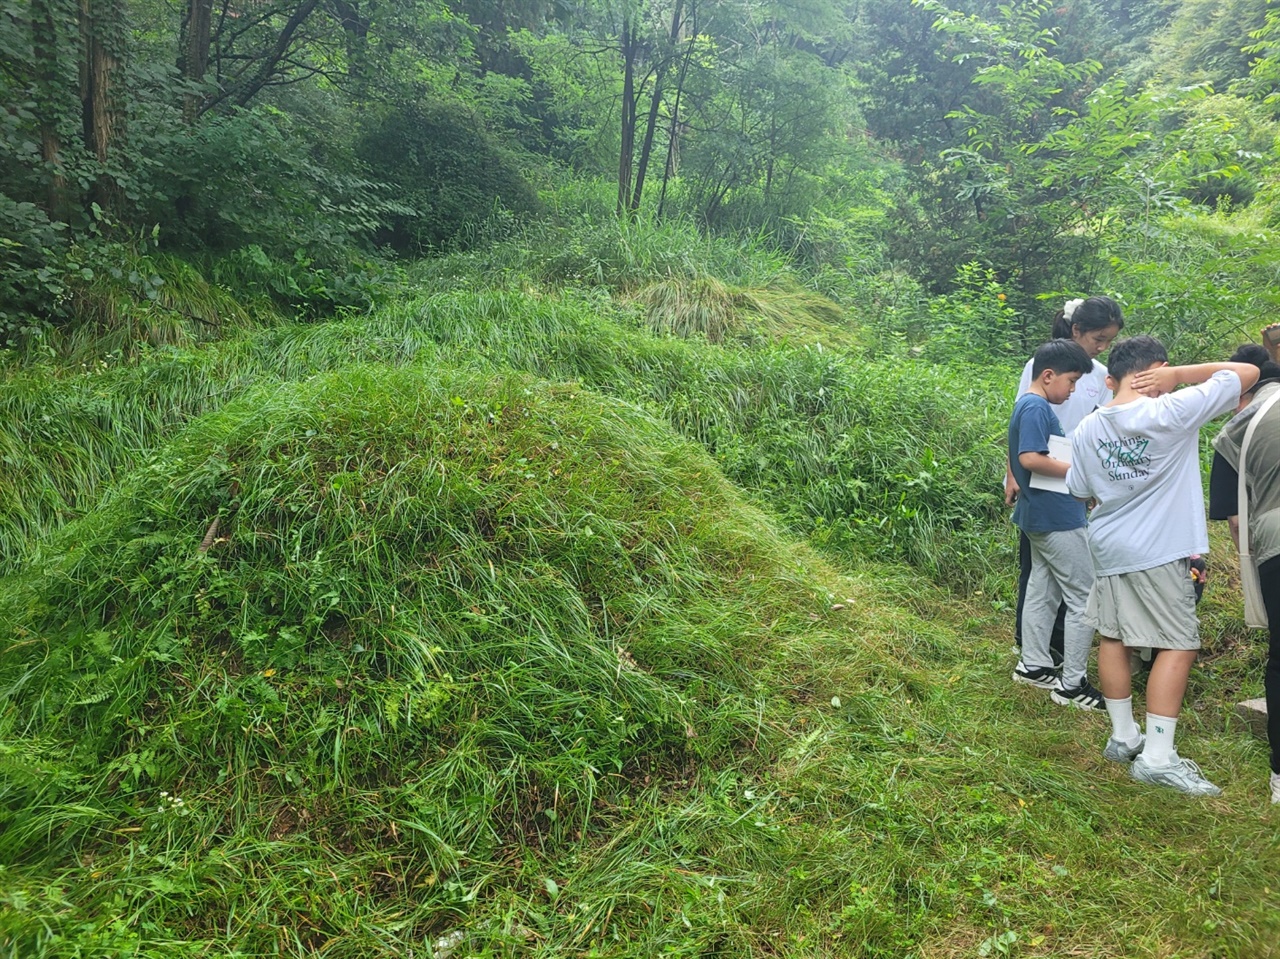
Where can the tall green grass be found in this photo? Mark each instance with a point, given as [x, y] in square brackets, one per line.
[896, 459]
[483, 647]
[588, 250]
[431, 618]
[143, 299]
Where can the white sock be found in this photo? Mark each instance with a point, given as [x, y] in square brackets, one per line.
[1159, 748]
[1275, 788]
[1124, 728]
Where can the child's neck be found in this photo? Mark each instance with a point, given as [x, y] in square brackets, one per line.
[1127, 394]
[1037, 388]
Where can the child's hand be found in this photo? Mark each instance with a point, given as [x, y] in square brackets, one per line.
[1157, 381]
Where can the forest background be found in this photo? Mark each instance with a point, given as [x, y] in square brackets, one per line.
[720, 306]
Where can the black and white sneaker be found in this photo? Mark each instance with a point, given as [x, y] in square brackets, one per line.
[1043, 677]
[1083, 696]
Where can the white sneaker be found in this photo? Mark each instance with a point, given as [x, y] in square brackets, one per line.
[1180, 774]
[1275, 788]
[1119, 752]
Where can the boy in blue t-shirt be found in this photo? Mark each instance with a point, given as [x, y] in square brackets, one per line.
[1054, 522]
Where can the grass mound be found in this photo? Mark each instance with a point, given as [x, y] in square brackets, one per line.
[896, 460]
[421, 649]
[416, 618]
[706, 307]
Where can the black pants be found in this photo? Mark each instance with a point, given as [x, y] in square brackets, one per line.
[1269, 575]
[1024, 574]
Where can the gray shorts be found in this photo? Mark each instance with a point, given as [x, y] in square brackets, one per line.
[1152, 607]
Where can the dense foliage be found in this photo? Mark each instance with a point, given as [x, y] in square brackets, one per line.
[1061, 148]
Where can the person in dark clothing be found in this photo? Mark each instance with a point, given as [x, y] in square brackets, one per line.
[1263, 471]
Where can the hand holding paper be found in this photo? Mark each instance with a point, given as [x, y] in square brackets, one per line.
[1059, 449]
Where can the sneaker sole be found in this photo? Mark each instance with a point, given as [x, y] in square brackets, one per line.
[1095, 705]
[1209, 789]
[1037, 683]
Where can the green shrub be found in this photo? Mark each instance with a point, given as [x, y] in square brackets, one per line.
[32, 271]
[448, 172]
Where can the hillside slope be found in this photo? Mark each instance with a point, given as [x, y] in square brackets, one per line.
[479, 662]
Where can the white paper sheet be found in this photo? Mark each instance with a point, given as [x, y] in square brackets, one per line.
[1059, 449]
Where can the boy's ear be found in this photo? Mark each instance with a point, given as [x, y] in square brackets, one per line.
[1113, 384]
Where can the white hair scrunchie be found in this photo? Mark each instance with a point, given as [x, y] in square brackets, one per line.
[1069, 308]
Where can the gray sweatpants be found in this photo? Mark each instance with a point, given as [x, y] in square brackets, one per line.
[1061, 572]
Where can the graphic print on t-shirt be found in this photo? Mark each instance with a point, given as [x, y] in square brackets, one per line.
[1125, 458]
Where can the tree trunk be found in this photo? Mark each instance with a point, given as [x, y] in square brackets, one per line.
[103, 31]
[272, 60]
[355, 28]
[193, 58]
[44, 32]
[655, 104]
[627, 147]
[669, 170]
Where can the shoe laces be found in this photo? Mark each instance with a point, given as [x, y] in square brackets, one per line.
[1192, 765]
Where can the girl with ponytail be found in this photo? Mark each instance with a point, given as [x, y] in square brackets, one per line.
[1093, 323]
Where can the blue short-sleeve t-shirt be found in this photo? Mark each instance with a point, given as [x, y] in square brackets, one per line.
[1038, 510]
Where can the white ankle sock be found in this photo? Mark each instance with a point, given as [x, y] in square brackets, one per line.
[1275, 788]
[1124, 728]
[1159, 748]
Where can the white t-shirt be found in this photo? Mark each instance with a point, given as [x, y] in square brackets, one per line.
[1141, 462]
[1091, 392]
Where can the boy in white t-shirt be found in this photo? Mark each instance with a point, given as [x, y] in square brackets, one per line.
[1138, 457]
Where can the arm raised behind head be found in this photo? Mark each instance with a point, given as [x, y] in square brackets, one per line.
[1165, 379]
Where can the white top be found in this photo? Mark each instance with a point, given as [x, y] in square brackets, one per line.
[1141, 462]
[1091, 392]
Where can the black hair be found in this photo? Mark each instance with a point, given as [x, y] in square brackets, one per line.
[1095, 313]
[1134, 354]
[1268, 372]
[1061, 356]
[1251, 353]
[1258, 356]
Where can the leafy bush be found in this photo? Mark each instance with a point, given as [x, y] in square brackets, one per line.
[448, 172]
[32, 272]
[250, 179]
[300, 286]
[1202, 284]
